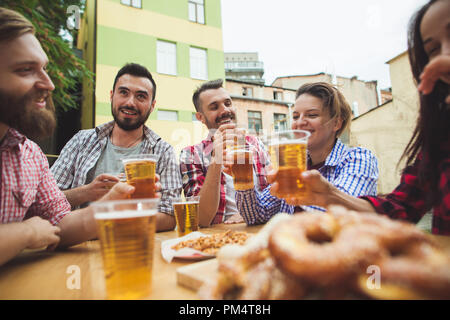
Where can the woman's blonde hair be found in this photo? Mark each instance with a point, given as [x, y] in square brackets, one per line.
[333, 101]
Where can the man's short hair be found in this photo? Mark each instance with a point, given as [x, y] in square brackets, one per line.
[210, 85]
[136, 70]
[13, 25]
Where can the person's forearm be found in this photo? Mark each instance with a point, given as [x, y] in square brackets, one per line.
[14, 237]
[77, 226]
[164, 222]
[250, 208]
[77, 196]
[210, 195]
[337, 197]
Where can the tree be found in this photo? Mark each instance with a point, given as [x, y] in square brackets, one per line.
[66, 70]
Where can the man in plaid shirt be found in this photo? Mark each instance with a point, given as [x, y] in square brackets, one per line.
[83, 169]
[34, 213]
[201, 165]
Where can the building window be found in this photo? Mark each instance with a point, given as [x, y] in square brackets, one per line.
[355, 110]
[280, 121]
[197, 11]
[247, 92]
[254, 121]
[166, 57]
[278, 95]
[167, 115]
[199, 63]
[132, 3]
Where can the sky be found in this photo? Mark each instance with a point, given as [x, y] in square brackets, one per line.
[300, 37]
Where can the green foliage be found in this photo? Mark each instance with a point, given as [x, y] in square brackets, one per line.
[66, 70]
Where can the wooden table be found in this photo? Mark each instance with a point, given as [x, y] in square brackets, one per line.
[39, 274]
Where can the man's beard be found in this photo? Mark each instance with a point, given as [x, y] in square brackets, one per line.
[216, 124]
[129, 124]
[20, 113]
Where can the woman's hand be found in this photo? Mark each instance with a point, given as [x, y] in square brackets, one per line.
[436, 69]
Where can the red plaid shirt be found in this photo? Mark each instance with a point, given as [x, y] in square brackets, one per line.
[194, 162]
[27, 187]
[408, 200]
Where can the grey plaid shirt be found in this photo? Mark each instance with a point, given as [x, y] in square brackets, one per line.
[82, 152]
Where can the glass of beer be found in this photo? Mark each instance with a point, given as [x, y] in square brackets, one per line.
[126, 229]
[240, 160]
[140, 172]
[288, 156]
[186, 214]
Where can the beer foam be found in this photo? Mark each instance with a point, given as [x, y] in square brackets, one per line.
[284, 142]
[187, 202]
[138, 160]
[125, 214]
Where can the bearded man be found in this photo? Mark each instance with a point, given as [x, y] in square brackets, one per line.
[34, 213]
[83, 169]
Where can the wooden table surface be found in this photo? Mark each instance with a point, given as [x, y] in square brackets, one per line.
[39, 274]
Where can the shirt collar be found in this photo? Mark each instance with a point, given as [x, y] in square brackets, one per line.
[105, 130]
[12, 139]
[334, 157]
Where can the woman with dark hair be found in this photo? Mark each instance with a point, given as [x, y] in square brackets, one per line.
[323, 111]
[425, 182]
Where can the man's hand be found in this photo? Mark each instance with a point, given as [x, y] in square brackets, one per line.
[101, 185]
[318, 189]
[123, 190]
[42, 234]
[235, 218]
[437, 69]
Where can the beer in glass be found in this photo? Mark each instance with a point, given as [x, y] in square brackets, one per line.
[126, 229]
[288, 156]
[140, 172]
[241, 164]
[186, 214]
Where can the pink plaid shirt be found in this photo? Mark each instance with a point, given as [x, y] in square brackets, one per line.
[27, 187]
[194, 162]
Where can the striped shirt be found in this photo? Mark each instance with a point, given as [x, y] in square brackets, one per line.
[194, 162]
[351, 170]
[82, 152]
[27, 186]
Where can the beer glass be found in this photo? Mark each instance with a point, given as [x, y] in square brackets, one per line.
[186, 214]
[288, 156]
[240, 160]
[126, 229]
[140, 173]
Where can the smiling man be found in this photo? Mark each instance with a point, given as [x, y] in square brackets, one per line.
[83, 169]
[201, 165]
[34, 213]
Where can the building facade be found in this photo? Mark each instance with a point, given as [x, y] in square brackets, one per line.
[361, 95]
[179, 41]
[260, 108]
[387, 129]
[244, 66]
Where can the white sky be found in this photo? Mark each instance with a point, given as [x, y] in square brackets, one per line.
[299, 37]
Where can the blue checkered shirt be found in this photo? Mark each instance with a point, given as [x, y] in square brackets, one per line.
[352, 170]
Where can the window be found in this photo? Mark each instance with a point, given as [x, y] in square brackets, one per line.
[197, 11]
[199, 64]
[280, 121]
[166, 57]
[278, 95]
[132, 3]
[254, 121]
[167, 115]
[247, 92]
[355, 110]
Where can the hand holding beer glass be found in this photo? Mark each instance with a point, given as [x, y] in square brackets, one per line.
[186, 214]
[239, 163]
[140, 172]
[288, 157]
[126, 229]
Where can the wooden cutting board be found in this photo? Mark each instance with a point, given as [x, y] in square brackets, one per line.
[194, 275]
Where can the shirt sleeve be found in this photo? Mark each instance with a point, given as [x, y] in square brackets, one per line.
[359, 174]
[407, 201]
[170, 180]
[192, 174]
[258, 207]
[50, 202]
[63, 169]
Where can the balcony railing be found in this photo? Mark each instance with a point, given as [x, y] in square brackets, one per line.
[244, 65]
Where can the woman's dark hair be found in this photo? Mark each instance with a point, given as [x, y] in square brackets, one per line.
[432, 128]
